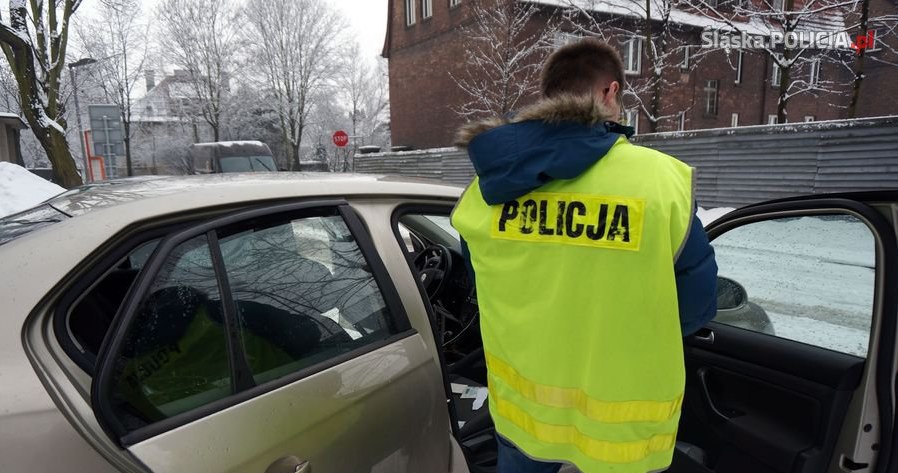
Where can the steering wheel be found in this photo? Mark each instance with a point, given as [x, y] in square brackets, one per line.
[433, 263]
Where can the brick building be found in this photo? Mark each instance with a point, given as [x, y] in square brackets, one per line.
[711, 88]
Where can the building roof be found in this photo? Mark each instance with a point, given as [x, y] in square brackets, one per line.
[828, 20]
[13, 119]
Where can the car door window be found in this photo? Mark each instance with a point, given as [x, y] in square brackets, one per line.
[175, 355]
[304, 294]
[809, 279]
[242, 305]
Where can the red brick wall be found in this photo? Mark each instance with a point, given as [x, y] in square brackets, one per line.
[879, 90]
[423, 95]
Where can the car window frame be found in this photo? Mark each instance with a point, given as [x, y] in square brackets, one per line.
[102, 383]
[75, 293]
[885, 302]
[424, 208]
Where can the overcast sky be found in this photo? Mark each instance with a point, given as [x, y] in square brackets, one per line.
[366, 18]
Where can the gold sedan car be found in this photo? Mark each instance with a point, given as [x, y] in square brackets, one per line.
[312, 322]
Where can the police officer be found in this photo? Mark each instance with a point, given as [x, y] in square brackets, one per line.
[590, 267]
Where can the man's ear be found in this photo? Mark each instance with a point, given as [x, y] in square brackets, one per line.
[614, 88]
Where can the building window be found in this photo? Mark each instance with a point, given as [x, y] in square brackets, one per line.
[426, 8]
[454, 3]
[711, 97]
[815, 72]
[739, 67]
[632, 55]
[632, 118]
[771, 120]
[808, 118]
[681, 121]
[777, 75]
[734, 120]
[778, 5]
[409, 12]
[685, 63]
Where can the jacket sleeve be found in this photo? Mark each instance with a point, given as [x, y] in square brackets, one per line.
[696, 273]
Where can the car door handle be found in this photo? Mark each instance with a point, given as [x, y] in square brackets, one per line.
[704, 335]
[706, 393]
[289, 464]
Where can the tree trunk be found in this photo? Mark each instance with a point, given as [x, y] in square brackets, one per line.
[655, 106]
[859, 64]
[783, 98]
[786, 72]
[127, 133]
[64, 171]
[294, 149]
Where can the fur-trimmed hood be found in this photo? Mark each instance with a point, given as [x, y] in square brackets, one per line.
[564, 108]
[557, 138]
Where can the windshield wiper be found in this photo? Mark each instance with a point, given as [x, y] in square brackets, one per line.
[263, 164]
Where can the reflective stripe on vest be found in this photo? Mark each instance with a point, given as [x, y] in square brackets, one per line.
[602, 450]
[575, 398]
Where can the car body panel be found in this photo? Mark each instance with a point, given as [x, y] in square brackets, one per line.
[323, 419]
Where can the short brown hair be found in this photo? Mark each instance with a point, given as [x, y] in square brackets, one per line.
[577, 68]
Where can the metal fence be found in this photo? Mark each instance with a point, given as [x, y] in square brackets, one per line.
[736, 166]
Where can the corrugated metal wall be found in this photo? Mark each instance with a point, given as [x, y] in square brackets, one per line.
[445, 164]
[736, 166]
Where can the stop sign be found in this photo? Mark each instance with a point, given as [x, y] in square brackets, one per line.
[341, 139]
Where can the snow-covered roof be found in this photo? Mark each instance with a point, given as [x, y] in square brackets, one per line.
[831, 20]
[7, 117]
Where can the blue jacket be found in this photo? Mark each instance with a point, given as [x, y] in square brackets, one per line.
[514, 159]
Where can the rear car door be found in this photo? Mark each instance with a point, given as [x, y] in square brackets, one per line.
[796, 374]
[271, 340]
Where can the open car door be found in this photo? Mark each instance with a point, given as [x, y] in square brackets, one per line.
[797, 372]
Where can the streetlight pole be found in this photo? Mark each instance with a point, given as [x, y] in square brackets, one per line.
[84, 159]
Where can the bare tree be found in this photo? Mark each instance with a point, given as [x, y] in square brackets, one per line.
[201, 37]
[652, 28]
[502, 57]
[365, 96]
[35, 41]
[786, 18]
[119, 43]
[297, 46]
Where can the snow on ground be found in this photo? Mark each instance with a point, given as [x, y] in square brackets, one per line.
[21, 190]
[821, 334]
[814, 276]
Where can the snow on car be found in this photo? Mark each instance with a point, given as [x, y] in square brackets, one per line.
[20, 189]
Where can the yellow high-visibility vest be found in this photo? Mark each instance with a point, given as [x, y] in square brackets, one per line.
[578, 302]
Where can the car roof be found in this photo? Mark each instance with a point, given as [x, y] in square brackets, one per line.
[161, 195]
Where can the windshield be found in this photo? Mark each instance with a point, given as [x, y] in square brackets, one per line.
[248, 164]
[16, 225]
[444, 223]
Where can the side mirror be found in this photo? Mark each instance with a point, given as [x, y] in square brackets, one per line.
[730, 294]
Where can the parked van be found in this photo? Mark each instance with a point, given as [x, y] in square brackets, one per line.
[231, 156]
